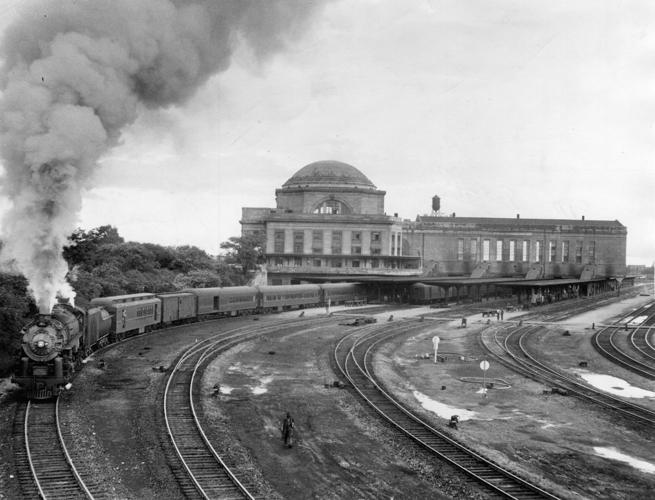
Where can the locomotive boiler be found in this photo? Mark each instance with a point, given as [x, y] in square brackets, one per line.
[53, 348]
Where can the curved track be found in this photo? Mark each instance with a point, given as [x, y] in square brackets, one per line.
[353, 355]
[51, 468]
[207, 473]
[508, 346]
[633, 351]
[606, 342]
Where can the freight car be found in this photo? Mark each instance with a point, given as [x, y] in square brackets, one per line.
[55, 344]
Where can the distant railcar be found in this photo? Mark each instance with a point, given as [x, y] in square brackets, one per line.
[338, 293]
[227, 301]
[420, 293]
[177, 307]
[281, 297]
[131, 314]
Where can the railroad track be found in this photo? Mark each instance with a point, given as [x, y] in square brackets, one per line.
[353, 356]
[206, 473]
[630, 351]
[45, 468]
[643, 340]
[605, 342]
[508, 346]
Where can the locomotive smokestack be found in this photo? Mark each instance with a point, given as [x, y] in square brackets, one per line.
[76, 72]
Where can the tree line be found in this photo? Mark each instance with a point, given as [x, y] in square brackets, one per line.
[102, 264]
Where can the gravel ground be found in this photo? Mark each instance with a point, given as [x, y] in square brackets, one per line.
[342, 449]
[545, 437]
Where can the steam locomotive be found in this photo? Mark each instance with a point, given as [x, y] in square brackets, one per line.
[55, 345]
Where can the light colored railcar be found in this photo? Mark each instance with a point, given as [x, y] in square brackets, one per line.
[177, 306]
[228, 301]
[131, 314]
[339, 293]
[281, 297]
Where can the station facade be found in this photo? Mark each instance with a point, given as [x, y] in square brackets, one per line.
[330, 222]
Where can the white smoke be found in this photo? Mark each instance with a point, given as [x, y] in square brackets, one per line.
[76, 72]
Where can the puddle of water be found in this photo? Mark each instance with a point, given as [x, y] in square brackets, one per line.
[615, 385]
[443, 410]
[638, 320]
[261, 388]
[615, 454]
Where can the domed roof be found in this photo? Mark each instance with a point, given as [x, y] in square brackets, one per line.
[329, 173]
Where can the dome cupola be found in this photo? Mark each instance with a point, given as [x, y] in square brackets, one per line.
[329, 173]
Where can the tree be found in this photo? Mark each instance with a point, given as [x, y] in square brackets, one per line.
[15, 309]
[85, 243]
[246, 251]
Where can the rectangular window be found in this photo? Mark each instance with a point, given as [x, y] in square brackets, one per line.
[512, 245]
[317, 241]
[499, 250]
[485, 250]
[565, 251]
[460, 249]
[278, 242]
[474, 250]
[336, 242]
[356, 243]
[526, 249]
[578, 252]
[552, 251]
[376, 243]
[298, 241]
[592, 252]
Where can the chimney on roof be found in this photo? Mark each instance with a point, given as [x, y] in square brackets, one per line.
[583, 217]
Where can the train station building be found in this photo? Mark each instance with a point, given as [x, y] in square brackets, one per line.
[330, 223]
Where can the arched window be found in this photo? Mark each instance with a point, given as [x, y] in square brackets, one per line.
[332, 207]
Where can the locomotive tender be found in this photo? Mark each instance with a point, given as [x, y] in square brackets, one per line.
[54, 345]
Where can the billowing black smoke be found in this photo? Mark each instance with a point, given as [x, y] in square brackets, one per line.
[76, 72]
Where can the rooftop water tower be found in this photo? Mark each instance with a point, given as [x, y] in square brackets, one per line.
[436, 205]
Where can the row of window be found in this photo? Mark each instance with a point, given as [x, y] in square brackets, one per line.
[336, 243]
[525, 251]
[373, 263]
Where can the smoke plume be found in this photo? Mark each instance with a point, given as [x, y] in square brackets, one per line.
[76, 72]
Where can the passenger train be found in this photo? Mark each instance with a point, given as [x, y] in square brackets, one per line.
[54, 345]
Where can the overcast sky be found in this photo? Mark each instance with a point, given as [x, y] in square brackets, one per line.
[541, 108]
